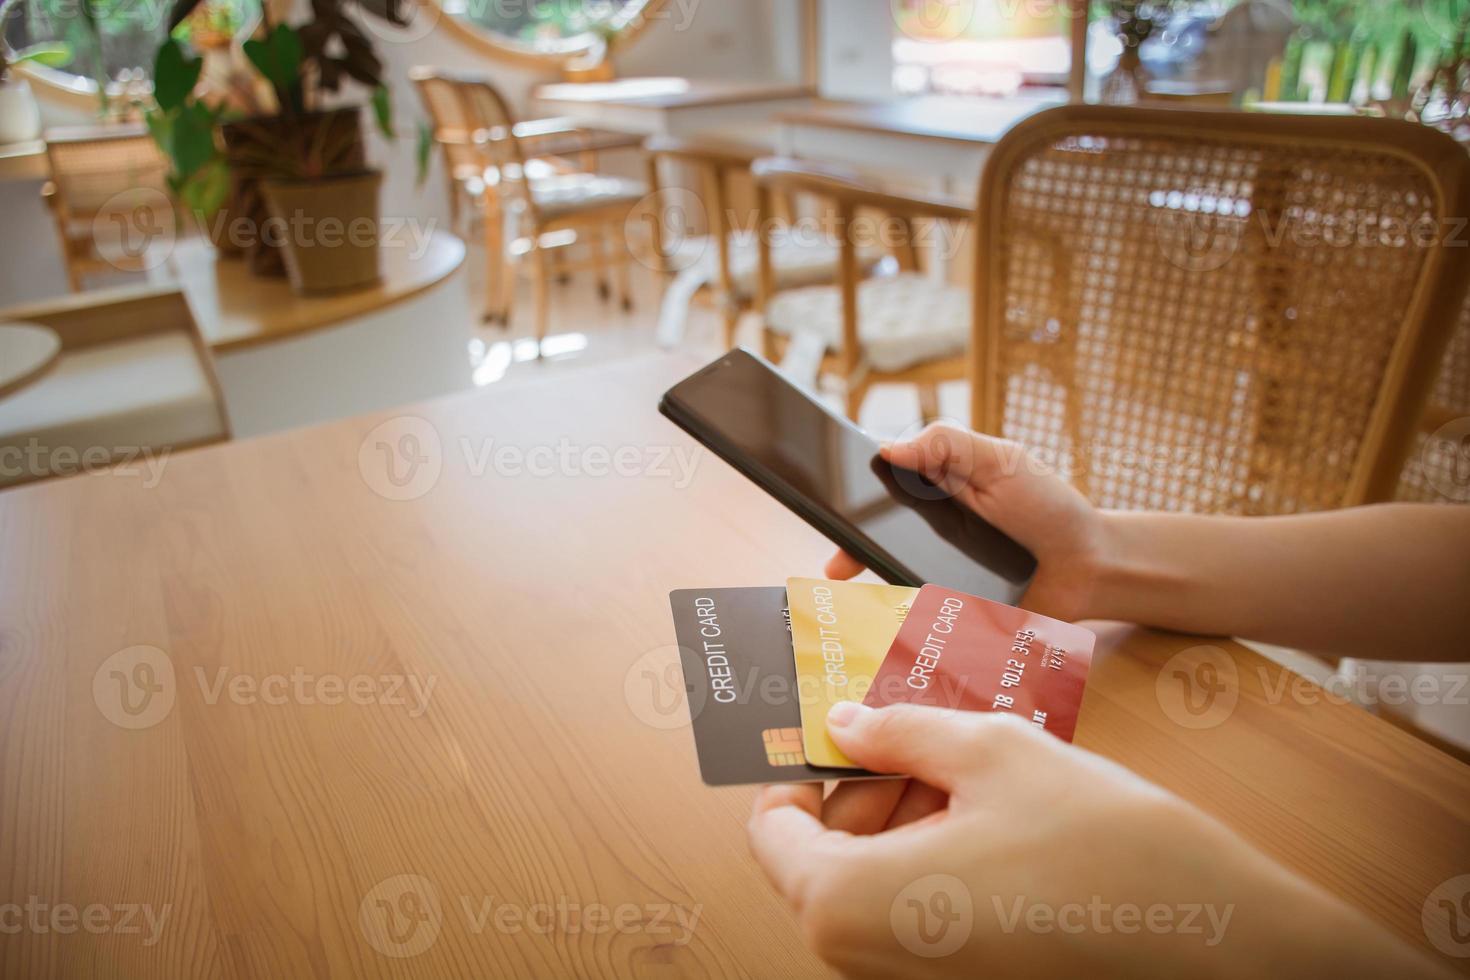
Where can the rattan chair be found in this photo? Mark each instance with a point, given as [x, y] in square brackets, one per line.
[1199, 310]
[105, 173]
[905, 328]
[1438, 467]
[540, 174]
[461, 136]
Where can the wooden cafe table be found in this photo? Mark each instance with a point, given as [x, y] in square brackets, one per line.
[384, 697]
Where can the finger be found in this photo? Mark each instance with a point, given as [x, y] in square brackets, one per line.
[862, 806]
[920, 800]
[843, 566]
[930, 744]
[953, 457]
[787, 837]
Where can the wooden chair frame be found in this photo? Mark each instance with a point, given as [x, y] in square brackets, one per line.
[848, 194]
[503, 148]
[1427, 324]
[79, 254]
[714, 163]
[109, 315]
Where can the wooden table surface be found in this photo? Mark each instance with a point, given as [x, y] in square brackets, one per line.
[938, 117]
[208, 713]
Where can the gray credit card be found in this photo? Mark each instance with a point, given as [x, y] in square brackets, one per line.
[740, 678]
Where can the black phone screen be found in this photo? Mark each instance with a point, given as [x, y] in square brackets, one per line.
[829, 471]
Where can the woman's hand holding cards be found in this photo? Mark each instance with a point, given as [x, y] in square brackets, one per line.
[1012, 853]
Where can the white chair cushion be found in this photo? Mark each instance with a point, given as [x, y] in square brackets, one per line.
[563, 194]
[150, 392]
[903, 320]
[795, 262]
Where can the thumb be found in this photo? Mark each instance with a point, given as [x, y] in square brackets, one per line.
[934, 745]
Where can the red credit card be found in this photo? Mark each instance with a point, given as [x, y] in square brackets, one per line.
[960, 651]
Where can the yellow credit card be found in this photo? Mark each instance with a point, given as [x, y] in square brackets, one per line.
[840, 633]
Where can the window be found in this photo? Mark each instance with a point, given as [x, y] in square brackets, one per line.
[989, 47]
[547, 27]
[126, 35]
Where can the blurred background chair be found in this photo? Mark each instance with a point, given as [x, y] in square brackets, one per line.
[907, 327]
[720, 255]
[111, 176]
[1207, 311]
[134, 374]
[461, 136]
[488, 154]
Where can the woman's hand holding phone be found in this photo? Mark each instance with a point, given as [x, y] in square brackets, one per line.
[1019, 496]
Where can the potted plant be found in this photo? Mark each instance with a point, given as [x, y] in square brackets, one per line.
[291, 179]
[20, 119]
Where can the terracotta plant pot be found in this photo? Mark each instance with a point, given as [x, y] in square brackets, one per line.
[328, 229]
[251, 147]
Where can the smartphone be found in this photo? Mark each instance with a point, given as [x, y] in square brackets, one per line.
[828, 472]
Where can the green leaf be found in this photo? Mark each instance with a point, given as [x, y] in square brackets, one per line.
[383, 111]
[174, 75]
[278, 58]
[193, 139]
[205, 192]
[52, 55]
[423, 152]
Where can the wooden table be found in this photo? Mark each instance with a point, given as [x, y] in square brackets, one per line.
[24, 161]
[673, 106]
[285, 360]
[939, 137]
[27, 351]
[552, 766]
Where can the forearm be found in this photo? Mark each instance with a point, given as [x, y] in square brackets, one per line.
[1387, 582]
